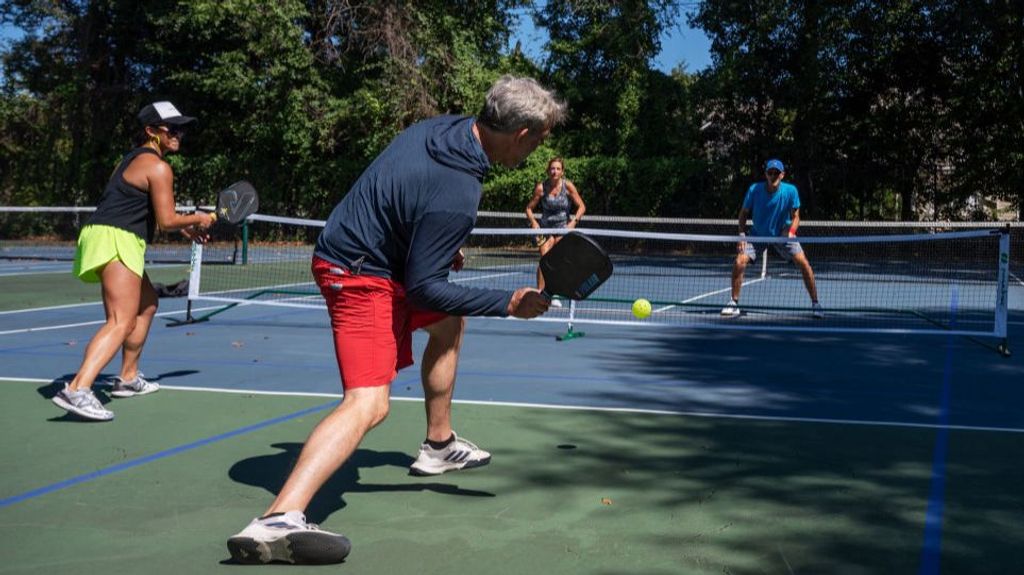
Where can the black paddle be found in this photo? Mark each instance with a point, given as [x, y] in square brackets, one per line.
[237, 202]
[575, 267]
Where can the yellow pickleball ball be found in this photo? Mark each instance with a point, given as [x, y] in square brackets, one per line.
[641, 308]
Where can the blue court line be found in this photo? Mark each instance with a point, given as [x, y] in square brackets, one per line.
[159, 455]
[930, 551]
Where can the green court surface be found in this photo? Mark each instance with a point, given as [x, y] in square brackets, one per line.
[568, 491]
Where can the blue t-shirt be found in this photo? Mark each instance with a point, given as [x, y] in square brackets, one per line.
[771, 212]
[408, 214]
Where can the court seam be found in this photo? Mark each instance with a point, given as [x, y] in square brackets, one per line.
[586, 408]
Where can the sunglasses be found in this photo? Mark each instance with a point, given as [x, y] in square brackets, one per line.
[773, 173]
[174, 131]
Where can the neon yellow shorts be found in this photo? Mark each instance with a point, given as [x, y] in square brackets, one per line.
[99, 245]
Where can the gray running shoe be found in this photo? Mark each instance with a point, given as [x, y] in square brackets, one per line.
[459, 454]
[287, 538]
[82, 403]
[817, 311]
[138, 386]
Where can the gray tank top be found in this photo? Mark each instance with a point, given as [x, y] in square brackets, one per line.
[554, 209]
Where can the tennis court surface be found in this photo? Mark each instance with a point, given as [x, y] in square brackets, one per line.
[646, 449]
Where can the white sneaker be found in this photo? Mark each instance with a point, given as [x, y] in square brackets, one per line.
[732, 309]
[556, 303]
[816, 311]
[287, 538]
[82, 403]
[459, 454]
[138, 386]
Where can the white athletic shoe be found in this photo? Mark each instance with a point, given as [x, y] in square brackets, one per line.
[82, 403]
[816, 311]
[287, 538]
[556, 303]
[138, 386]
[732, 309]
[459, 454]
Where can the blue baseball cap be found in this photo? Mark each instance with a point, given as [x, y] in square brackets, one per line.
[774, 164]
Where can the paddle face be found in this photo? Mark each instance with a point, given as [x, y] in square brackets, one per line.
[237, 202]
[575, 267]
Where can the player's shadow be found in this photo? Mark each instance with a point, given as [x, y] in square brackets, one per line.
[270, 472]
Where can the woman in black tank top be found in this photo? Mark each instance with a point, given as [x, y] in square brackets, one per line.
[555, 196]
[111, 250]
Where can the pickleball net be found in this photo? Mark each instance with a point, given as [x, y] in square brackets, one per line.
[49, 234]
[922, 282]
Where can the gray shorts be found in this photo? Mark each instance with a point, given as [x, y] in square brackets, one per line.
[787, 251]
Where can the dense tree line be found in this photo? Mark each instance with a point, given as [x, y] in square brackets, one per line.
[895, 110]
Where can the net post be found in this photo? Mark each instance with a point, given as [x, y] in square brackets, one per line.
[570, 334]
[245, 242]
[194, 275]
[1002, 289]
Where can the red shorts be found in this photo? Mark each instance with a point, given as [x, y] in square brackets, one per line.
[372, 322]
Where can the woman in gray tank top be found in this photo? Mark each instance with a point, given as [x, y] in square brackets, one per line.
[555, 196]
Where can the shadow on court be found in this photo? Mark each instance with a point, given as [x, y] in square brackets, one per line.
[270, 472]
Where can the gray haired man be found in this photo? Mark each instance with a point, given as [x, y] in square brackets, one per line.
[382, 265]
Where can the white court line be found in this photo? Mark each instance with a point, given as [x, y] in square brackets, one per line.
[67, 270]
[1018, 280]
[20, 273]
[476, 278]
[48, 308]
[702, 296]
[705, 414]
[96, 322]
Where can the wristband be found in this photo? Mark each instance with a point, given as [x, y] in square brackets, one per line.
[792, 231]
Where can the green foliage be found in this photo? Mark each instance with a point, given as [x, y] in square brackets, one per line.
[608, 184]
[908, 109]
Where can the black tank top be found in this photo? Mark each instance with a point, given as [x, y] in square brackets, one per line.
[123, 205]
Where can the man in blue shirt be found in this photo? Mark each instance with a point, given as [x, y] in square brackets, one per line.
[775, 209]
[382, 264]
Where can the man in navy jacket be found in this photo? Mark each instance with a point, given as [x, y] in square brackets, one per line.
[382, 264]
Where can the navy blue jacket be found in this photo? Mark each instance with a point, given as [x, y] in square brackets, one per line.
[409, 213]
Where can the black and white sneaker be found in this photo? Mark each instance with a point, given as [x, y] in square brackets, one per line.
[287, 538]
[459, 454]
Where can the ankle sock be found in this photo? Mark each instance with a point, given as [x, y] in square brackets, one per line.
[440, 444]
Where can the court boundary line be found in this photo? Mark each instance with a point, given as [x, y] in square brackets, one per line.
[93, 322]
[931, 547]
[556, 407]
[51, 307]
[709, 294]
